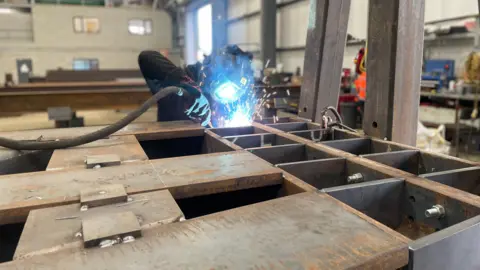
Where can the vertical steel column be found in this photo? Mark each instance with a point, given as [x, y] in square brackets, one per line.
[394, 65]
[219, 24]
[326, 37]
[268, 42]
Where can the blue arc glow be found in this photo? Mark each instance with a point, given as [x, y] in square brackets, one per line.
[226, 93]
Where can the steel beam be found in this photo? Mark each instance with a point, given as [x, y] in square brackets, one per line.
[326, 37]
[394, 63]
[269, 32]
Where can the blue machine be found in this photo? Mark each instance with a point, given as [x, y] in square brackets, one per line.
[440, 71]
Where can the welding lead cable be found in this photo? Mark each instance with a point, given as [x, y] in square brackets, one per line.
[334, 111]
[96, 135]
[334, 124]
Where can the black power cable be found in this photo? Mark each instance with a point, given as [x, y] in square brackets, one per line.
[96, 135]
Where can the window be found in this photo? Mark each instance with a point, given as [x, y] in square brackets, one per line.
[86, 25]
[204, 31]
[140, 27]
[85, 64]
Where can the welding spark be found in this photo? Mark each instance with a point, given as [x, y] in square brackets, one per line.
[226, 93]
[239, 118]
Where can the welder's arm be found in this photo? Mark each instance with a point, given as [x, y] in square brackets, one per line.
[159, 72]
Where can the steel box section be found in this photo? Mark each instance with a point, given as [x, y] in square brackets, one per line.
[363, 146]
[330, 172]
[417, 162]
[289, 153]
[401, 206]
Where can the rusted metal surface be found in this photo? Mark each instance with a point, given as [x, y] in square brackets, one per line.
[110, 227]
[394, 64]
[231, 169]
[99, 161]
[183, 176]
[293, 232]
[326, 37]
[54, 229]
[125, 147]
[102, 195]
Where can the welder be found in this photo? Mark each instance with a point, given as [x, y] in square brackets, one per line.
[223, 80]
[223, 77]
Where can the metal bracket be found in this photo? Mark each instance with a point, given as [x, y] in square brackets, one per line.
[108, 230]
[102, 195]
[98, 161]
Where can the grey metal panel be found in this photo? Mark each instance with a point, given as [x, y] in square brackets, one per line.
[259, 140]
[456, 247]
[291, 126]
[406, 160]
[431, 163]
[367, 173]
[252, 140]
[354, 146]
[325, 173]
[280, 154]
[377, 199]
[289, 153]
[467, 179]
[402, 206]
[318, 173]
[315, 135]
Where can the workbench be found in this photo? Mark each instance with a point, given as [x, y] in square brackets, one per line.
[285, 194]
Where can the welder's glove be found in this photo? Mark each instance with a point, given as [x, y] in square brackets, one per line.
[159, 72]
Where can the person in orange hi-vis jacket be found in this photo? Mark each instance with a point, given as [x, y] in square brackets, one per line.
[361, 81]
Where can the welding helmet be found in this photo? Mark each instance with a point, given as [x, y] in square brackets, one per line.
[226, 75]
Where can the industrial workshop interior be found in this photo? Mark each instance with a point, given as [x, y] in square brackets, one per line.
[239, 134]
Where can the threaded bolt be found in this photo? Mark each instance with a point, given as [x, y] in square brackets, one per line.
[128, 239]
[355, 178]
[436, 211]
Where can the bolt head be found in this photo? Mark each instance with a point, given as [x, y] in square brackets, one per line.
[128, 239]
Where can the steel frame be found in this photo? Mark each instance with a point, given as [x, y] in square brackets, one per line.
[386, 204]
[395, 47]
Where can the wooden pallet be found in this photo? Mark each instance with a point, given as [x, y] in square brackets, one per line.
[269, 196]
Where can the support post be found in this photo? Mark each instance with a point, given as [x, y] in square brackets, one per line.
[269, 32]
[326, 37]
[394, 65]
[219, 24]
